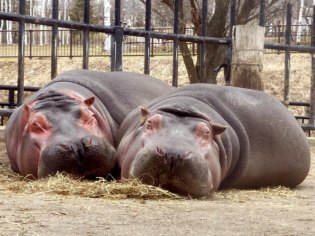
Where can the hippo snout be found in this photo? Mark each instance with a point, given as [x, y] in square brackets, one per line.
[88, 156]
[178, 170]
[171, 156]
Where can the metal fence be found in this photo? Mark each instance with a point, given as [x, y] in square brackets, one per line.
[70, 42]
[282, 41]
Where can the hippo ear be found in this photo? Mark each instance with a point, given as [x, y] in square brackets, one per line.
[89, 101]
[144, 114]
[26, 114]
[217, 128]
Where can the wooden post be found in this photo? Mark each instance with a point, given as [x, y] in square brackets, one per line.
[247, 56]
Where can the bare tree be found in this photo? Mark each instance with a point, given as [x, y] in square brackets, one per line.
[217, 26]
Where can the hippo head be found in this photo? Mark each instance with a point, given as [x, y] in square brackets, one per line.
[64, 133]
[173, 148]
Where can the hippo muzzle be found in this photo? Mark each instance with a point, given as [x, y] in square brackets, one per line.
[89, 156]
[181, 171]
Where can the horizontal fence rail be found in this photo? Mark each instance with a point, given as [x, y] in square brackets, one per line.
[38, 42]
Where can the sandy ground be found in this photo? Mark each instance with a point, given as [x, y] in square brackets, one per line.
[241, 212]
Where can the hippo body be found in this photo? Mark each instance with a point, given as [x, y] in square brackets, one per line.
[202, 137]
[70, 124]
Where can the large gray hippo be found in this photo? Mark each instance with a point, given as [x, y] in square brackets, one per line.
[70, 125]
[202, 137]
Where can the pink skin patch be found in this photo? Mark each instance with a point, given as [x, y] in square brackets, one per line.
[36, 132]
[152, 124]
[203, 134]
[91, 119]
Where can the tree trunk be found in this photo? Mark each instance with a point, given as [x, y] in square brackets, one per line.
[299, 27]
[214, 53]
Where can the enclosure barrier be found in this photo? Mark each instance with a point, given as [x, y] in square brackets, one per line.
[117, 32]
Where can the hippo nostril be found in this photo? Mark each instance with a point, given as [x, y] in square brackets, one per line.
[186, 154]
[66, 147]
[87, 142]
[159, 151]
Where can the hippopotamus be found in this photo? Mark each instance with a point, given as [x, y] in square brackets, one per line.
[201, 137]
[70, 125]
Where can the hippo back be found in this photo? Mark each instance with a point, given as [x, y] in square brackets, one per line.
[119, 92]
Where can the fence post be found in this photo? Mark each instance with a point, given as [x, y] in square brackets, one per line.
[312, 95]
[116, 58]
[31, 44]
[86, 32]
[287, 59]
[247, 56]
[147, 37]
[54, 41]
[21, 55]
[177, 8]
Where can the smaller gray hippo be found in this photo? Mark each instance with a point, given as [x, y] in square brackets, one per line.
[202, 137]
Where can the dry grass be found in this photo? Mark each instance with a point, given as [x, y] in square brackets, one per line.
[66, 185]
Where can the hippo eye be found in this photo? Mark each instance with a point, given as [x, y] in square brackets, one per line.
[203, 131]
[37, 128]
[149, 125]
[38, 124]
[87, 117]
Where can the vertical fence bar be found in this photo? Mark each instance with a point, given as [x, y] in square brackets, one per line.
[287, 56]
[228, 56]
[262, 13]
[21, 55]
[54, 40]
[31, 44]
[147, 38]
[175, 43]
[312, 94]
[232, 16]
[86, 33]
[118, 39]
[203, 45]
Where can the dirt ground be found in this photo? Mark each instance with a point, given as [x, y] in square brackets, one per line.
[234, 212]
[237, 212]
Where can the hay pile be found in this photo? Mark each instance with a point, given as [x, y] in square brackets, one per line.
[65, 185]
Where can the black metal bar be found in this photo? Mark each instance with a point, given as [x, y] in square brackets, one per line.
[110, 29]
[14, 87]
[303, 104]
[50, 22]
[262, 11]
[54, 40]
[31, 44]
[71, 44]
[296, 48]
[21, 54]
[228, 56]
[6, 112]
[119, 35]
[112, 53]
[287, 56]
[147, 37]
[86, 20]
[175, 43]
[312, 92]
[202, 68]
[11, 98]
[232, 16]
